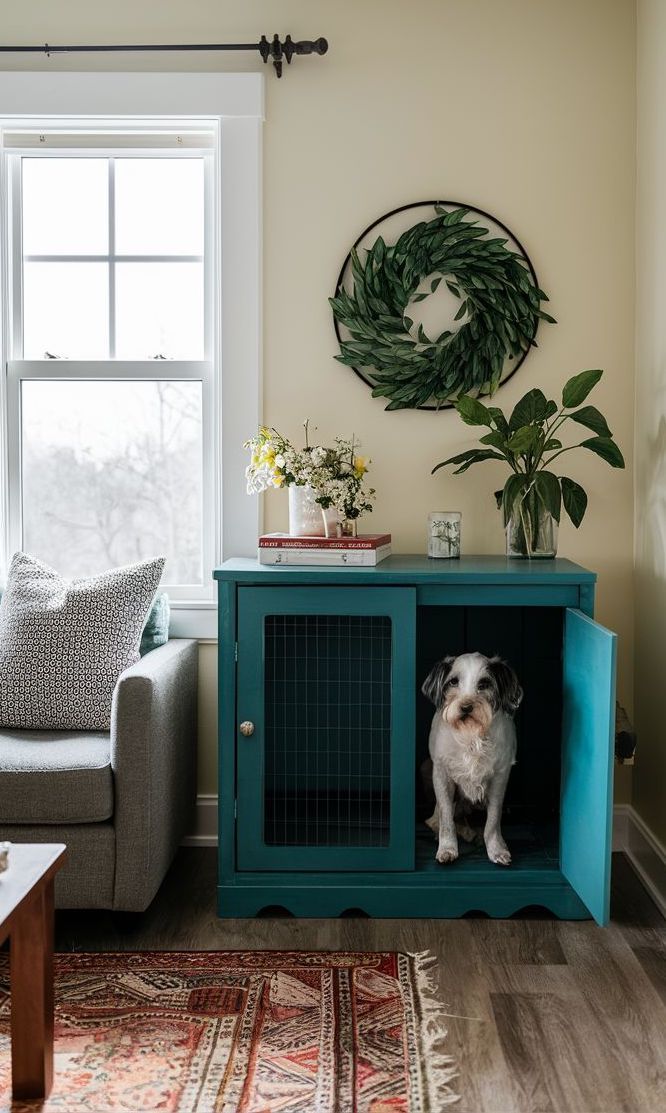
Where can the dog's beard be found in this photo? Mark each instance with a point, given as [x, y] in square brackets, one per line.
[472, 725]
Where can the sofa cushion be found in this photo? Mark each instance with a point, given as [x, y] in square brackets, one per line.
[55, 777]
[63, 644]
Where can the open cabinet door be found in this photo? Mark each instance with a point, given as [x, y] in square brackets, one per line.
[587, 761]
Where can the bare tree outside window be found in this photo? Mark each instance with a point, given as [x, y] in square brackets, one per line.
[112, 475]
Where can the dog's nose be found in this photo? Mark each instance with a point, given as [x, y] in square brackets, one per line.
[466, 708]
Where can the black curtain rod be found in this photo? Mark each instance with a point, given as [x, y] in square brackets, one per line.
[275, 48]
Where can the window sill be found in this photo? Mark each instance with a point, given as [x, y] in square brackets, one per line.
[194, 619]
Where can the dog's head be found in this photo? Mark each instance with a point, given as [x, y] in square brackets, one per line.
[470, 689]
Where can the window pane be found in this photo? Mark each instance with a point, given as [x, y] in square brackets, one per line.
[66, 310]
[159, 310]
[112, 474]
[65, 206]
[159, 206]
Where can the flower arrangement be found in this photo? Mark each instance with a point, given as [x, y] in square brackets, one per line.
[336, 474]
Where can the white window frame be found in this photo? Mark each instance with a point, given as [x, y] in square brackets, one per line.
[233, 104]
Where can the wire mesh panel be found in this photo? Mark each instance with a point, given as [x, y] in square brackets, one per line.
[327, 726]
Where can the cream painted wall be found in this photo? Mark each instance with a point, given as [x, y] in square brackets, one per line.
[524, 109]
[650, 527]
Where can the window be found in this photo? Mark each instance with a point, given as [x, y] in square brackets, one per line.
[158, 440]
[111, 371]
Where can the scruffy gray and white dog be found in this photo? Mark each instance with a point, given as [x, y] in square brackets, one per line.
[472, 745]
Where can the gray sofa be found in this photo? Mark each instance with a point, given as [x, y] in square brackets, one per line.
[122, 800]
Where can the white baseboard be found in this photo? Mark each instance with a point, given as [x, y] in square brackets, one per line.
[644, 850]
[630, 835]
[205, 821]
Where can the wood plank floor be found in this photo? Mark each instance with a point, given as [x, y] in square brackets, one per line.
[544, 1016]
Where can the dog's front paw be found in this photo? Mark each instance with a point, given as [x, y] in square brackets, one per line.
[498, 852]
[446, 852]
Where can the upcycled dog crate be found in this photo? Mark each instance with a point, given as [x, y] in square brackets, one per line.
[324, 732]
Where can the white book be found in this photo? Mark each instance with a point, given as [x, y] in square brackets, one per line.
[349, 558]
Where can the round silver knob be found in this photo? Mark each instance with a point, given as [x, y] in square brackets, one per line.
[247, 728]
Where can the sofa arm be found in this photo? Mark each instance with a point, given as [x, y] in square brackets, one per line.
[153, 757]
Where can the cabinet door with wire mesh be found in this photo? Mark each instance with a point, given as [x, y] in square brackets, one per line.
[325, 735]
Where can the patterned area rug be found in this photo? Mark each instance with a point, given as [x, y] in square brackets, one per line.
[253, 1032]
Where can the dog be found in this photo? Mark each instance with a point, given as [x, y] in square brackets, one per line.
[472, 745]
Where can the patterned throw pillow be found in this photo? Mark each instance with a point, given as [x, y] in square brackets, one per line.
[63, 644]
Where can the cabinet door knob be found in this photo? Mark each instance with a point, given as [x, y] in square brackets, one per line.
[247, 728]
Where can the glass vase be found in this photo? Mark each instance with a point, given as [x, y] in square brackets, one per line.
[531, 531]
[307, 518]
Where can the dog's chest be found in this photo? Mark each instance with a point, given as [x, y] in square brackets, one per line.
[471, 767]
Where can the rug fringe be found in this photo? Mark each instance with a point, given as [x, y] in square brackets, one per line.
[440, 1068]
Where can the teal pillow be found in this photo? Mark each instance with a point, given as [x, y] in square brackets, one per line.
[156, 630]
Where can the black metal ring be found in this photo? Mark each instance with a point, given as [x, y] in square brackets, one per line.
[431, 204]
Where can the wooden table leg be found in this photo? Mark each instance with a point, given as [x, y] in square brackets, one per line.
[31, 972]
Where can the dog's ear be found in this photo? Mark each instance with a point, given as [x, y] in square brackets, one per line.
[509, 691]
[433, 685]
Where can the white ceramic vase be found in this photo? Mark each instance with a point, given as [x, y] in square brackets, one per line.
[307, 518]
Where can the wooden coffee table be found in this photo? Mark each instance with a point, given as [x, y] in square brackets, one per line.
[26, 917]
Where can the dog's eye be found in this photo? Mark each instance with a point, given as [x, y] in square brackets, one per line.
[453, 682]
[483, 683]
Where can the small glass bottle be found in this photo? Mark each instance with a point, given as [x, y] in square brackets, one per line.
[444, 534]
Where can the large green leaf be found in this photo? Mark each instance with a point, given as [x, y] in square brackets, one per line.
[513, 488]
[607, 449]
[466, 459]
[577, 389]
[592, 419]
[496, 439]
[532, 407]
[499, 419]
[547, 487]
[523, 440]
[574, 499]
[473, 412]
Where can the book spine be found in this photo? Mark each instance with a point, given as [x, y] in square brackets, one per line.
[355, 559]
[345, 544]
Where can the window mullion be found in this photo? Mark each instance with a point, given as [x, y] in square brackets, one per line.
[112, 258]
[15, 336]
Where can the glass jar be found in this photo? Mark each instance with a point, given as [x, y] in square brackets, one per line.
[531, 531]
[444, 534]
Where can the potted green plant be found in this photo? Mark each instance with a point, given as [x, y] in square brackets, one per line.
[528, 441]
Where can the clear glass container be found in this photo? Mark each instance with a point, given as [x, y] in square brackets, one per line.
[531, 532]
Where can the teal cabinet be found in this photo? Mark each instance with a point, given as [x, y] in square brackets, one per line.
[323, 732]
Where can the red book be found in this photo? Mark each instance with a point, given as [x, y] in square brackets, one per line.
[286, 541]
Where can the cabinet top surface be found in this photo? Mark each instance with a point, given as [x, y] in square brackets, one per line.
[416, 569]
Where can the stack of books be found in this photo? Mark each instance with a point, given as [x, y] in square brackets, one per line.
[363, 551]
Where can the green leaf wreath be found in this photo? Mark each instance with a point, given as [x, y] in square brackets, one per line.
[500, 307]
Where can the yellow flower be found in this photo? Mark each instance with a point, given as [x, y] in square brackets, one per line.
[278, 479]
[360, 466]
